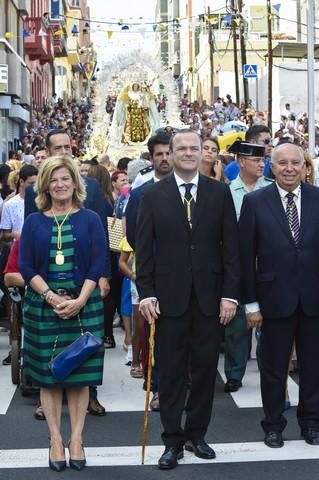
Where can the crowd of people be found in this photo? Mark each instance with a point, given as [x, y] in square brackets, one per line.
[186, 258]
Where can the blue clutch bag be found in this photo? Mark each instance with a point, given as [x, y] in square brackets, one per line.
[74, 354]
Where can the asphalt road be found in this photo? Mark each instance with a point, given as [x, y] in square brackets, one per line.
[113, 442]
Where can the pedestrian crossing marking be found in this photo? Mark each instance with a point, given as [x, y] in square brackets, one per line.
[125, 394]
[131, 456]
[249, 396]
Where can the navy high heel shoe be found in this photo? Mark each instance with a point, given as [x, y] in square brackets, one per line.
[57, 466]
[77, 464]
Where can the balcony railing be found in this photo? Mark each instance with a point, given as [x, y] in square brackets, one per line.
[18, 79]
[38, 42]
[59, 40]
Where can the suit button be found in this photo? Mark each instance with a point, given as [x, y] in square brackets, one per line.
[192, 247]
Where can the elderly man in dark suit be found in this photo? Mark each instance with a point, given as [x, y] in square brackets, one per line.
[187, 279]
[279, 232]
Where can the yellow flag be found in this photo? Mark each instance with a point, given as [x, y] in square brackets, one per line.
[213, 20]
[8, 35]
[109, 33]
[59, 32]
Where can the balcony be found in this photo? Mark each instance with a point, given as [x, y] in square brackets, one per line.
[24, 6]
[39, 43]
[73, 52]
[59, 41]
[59, 45]
[18, 79]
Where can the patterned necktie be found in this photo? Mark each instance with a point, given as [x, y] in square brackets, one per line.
[292, 216]
[189, 203]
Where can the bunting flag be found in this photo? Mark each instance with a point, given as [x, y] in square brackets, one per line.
[212, 20]
[237, 21]
[154, 28]
[142, 31]
[59, 32]
[277, 7]
[109, 34]
[88, 69]
[227, 19]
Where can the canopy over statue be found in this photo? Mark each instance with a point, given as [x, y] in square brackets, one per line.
[136, 117]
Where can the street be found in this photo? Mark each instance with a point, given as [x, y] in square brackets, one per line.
[112, 443]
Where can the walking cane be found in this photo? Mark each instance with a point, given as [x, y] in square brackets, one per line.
[150, 365]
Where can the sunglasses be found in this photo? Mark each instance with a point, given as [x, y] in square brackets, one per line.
[267, 140]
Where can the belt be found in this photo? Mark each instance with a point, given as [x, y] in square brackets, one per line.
[60, 275]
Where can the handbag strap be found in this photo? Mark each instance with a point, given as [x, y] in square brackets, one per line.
[57, 337]
[116, 213]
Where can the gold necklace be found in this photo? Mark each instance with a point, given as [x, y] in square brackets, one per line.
[59, 257]
[188, 209]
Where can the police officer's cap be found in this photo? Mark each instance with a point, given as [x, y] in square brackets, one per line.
[247, 149]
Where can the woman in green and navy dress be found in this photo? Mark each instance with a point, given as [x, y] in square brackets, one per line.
[62, 256]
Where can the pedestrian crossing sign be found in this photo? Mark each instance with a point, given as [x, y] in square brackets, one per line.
[250, 71]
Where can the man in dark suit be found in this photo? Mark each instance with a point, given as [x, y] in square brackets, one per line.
[187, 278]
[279, 232]
[58, 143]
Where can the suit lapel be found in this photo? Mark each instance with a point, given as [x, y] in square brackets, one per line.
[175, 200]
[200, 199]
[306, 210]
[274, 202]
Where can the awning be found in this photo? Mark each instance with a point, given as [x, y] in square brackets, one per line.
[293, 50]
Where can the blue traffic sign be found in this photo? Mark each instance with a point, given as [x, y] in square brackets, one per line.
[250, 71]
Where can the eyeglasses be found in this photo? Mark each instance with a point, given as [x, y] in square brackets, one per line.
[267, 140]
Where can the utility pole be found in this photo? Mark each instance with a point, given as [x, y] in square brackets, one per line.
[270, 63]
[243, 50]
[311, 76]
[298, 21]
[234, 33]
[211, 56]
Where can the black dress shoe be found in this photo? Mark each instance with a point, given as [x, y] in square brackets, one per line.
[232, 385]
[311, 436]
[200, 449]
[273, 440]
[170, 458]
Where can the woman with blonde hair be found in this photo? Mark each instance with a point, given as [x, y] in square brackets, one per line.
[62, 255]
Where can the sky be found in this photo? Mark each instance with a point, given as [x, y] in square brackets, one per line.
[109, 39]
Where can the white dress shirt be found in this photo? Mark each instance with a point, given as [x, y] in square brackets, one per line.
[181, 185]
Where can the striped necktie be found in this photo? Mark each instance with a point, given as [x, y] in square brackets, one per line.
[292, 216]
